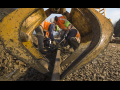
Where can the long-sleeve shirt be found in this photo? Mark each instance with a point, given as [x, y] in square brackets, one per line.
[51, 29]
[72, 33]
[61, 21]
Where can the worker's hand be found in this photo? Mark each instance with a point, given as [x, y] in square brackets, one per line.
[65, 35]
[54, 42]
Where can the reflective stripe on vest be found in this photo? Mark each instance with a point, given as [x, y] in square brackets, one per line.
[63, 19]
[74, 28]
[45, 24]
[78, 39]
[45, 21]
[45, 30]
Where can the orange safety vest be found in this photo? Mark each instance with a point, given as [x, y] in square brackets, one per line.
[45, 24]
[47, 34]
[78, 37]
[61, 21]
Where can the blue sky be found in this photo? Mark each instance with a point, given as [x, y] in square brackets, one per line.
[113, 14]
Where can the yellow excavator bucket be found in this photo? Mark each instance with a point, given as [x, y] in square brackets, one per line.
[88, 20]
[95, 29]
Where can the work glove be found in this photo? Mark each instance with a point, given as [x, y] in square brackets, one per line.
[66, 33]
[54, 42]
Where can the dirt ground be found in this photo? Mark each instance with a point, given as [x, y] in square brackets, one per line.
[104, 68]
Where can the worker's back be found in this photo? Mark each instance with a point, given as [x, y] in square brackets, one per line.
[61, 21]
[45, 24]
[78, 34]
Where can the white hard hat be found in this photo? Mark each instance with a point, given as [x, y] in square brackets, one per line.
[52, 20]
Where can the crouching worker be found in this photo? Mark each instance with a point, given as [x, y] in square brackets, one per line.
[47, 27]
[60, 21]
[73, 37]
[47, 36]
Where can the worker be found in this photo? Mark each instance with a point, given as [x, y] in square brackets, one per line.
[47, 40]
[60, 21]
[46, 33]
[40, 37]
[73, 37]
[47, 27]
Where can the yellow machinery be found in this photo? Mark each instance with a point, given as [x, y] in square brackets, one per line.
[101, 10]
[95, 29]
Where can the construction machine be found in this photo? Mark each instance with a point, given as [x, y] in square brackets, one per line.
[16, 30]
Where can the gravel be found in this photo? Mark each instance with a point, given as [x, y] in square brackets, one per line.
[10, 65]
[104, 68]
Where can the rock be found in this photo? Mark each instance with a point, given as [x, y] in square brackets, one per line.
[94, 62]
[103, 77]
[10, 64]
[23, 69]
[113, 46]
[5, 61]
[16, 66]
[20, 62]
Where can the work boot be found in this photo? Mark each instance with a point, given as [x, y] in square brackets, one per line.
[43, 52]
[40, 44]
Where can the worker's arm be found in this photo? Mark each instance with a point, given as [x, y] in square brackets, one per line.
[66, 34]
[51, 29]
[63, 27]
[72, 33]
